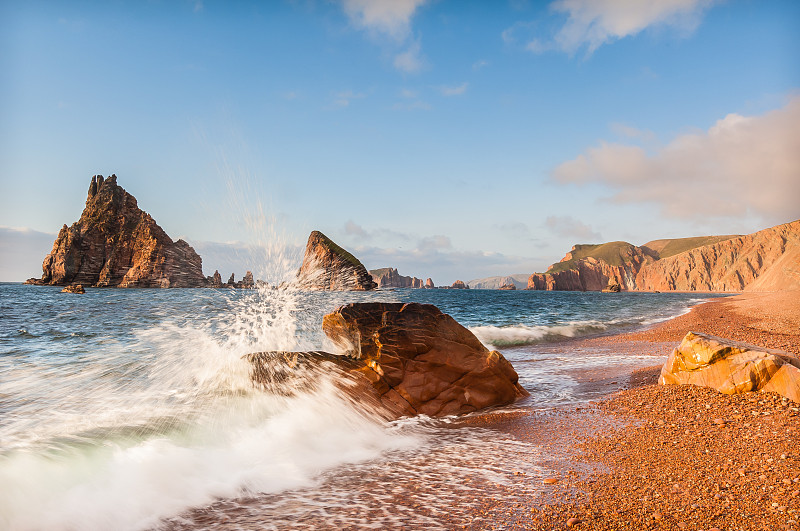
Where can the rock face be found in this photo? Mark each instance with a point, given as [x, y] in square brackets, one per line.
[508, 287]
[459, 284]
[518, 281]
[326, 266]
[116, 244]
[613, 286]
[768, 260]
[732, 367]
[412, 359]
[215, 281]
[429, 283]
[388, 277]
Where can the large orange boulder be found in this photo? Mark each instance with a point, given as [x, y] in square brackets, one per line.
[732, 367]
[412, 359]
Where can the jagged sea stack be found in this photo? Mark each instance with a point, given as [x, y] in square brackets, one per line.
[326, 266]
[116, 244]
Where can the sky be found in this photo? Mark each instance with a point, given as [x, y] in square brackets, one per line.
[449, 139]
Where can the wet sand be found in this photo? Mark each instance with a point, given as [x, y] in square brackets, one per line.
[676, 457]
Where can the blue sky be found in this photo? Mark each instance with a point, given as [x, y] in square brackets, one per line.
[450, 139]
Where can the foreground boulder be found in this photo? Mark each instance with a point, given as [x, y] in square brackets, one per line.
[326, 266]
[410, 358]
[732, 367]
[116, 244]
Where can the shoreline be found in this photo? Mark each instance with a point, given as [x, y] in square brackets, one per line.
[672, 457]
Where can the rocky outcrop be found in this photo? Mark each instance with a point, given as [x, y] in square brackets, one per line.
[508, 287]
[459, 284]
[613, 286]
[409, 358]
[732, 367]
[768, 260]
[429, 283]
[74, 288]
[215, 281]
[116, 244]
[388, 277]
[326, 266]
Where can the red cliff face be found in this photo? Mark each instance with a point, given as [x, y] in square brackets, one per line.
[326, 266]
[768, 260]
[116, 244]
[592, 274]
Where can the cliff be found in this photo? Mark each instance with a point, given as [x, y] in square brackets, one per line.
[590, 267]
[768, 260]
[518, 281]
[116, 244]
[326, 266]
[388, 277]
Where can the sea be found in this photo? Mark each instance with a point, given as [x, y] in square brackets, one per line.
[133, 409]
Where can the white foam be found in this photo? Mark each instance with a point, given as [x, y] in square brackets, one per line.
[143, 431]
[506, 336]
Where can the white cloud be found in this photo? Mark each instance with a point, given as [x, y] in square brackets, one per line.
[569, 227]
[592, 23]
[743, 165]
[454, 91]
[410, 61]
[390, 17]
[628, 131]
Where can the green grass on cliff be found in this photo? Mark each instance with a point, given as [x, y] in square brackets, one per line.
[613, 253]
[671, 247]
[379, 272]
[339, 251]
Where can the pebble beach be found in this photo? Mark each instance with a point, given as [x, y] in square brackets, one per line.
[674, 457]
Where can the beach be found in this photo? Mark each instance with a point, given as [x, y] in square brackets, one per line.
[674, 457]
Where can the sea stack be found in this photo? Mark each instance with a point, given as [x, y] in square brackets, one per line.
[116, 244]
[326, 266]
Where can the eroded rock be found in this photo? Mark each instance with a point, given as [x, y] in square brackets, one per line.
[327, 266]
[410, 358]
[732, 367]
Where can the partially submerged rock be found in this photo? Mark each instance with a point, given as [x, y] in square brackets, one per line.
[326, 266]
[410, 358]
[613, 286]
[74, 288]
[732, 367]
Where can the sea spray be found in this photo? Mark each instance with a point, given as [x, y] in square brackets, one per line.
[170, 420]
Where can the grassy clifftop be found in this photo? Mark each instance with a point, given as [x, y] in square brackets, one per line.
[670, 247]
[613, 253]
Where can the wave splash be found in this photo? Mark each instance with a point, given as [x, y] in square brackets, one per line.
[518, 335]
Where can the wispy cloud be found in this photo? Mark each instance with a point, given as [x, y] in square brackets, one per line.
[410, 61]
[628, 131]
[390, 19]
[343, 99]
[592, 23]
[742, 165]
[569, 227]
[457, 90]
[477, 65]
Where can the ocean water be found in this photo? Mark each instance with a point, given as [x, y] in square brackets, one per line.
[132, 409]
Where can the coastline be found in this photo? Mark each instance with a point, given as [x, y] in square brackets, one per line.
[671, 457]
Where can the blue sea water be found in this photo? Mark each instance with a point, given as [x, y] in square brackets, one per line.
[122, 409]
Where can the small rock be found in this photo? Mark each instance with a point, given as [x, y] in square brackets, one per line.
[572, 522]
[550, 481]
